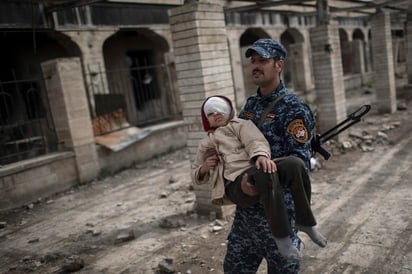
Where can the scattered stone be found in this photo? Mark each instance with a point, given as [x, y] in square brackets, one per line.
[34, 240]
[3, 224]
[166, 266]
[357, 135]
[73, 264]
[346, 145]
[220, 222]
[166, 223]
[366, 148]
[382, 135]
[26, 259]
[189, 200]
[93, 232]
[164, 195]
[49, 258]
[216, 228]
[172, 180]
[125, 236]
[402, 106]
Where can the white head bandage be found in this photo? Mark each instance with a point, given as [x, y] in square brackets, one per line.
[217, 104]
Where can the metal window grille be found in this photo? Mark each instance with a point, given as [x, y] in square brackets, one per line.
[137, 96]
[26, 130]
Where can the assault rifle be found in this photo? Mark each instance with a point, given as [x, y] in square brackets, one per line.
[352, 119]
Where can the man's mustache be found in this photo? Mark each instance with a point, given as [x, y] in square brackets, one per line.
[257, 70]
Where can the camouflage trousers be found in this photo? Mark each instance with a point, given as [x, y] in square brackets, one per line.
[250, 241]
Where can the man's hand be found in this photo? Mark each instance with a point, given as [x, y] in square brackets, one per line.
[246, 187]
[266, 164]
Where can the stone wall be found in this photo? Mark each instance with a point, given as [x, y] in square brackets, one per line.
[26, 181]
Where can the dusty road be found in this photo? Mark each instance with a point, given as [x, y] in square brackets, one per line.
[141, 220]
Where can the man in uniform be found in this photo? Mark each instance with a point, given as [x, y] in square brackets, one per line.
[289, 127]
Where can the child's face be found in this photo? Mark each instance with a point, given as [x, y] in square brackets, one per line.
[217, 119]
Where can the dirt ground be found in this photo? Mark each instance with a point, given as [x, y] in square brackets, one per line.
[142, 220]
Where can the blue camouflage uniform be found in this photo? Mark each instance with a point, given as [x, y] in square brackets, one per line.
[289, 128]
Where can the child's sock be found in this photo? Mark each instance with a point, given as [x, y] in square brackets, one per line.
[287, 249]
[314, 234]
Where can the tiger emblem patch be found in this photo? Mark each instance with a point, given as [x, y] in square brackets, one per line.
[298, 131]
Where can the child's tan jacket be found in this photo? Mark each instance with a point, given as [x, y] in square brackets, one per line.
[236, 144]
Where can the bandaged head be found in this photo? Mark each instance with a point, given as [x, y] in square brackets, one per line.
[217, 104]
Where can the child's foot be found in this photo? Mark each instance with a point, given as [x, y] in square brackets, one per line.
[314, 234]
[287, 249]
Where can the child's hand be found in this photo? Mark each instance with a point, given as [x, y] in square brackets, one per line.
[209, 163]
[266, 164]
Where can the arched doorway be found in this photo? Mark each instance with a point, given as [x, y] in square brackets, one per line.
[26, 123]
[346, 51]
[293, 41]
[139, 77]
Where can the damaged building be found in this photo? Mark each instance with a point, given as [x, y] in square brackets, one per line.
[94, 86]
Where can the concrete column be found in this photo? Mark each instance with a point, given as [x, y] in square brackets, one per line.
[68, 102]
[302, 74]
[91, 46]
[203, 69]
[409, 45]
[358, 56]
[237, 59]
[368, 59]
[329, 84]
[383, 63]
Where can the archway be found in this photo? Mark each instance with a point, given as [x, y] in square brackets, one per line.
[346, 51]
[293, 41]
[136, 70]
[24, 107]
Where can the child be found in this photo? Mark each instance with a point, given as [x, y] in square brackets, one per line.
[235, 148]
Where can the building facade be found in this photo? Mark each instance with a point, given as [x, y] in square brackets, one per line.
[96, 86]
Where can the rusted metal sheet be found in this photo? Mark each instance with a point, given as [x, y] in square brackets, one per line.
[121, 139]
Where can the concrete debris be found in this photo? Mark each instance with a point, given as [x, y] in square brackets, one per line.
[360, 139]
[167, 223]
[73, 264]
[93, 232]
[166, 266]
[125, 236]
[402, 106]
[3, 224]
[216, 228]
[172, 180]
[34, 240]
[164, 195]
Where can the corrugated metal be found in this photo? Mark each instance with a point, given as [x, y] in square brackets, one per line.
[121, 139]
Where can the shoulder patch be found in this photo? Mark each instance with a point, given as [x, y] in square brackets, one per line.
[298, 131]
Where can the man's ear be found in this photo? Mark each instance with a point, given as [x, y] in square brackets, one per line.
[279, 64]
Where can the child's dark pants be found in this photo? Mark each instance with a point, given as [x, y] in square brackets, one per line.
[291, 172]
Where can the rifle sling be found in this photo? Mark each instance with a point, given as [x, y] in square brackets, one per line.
[268, 109]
